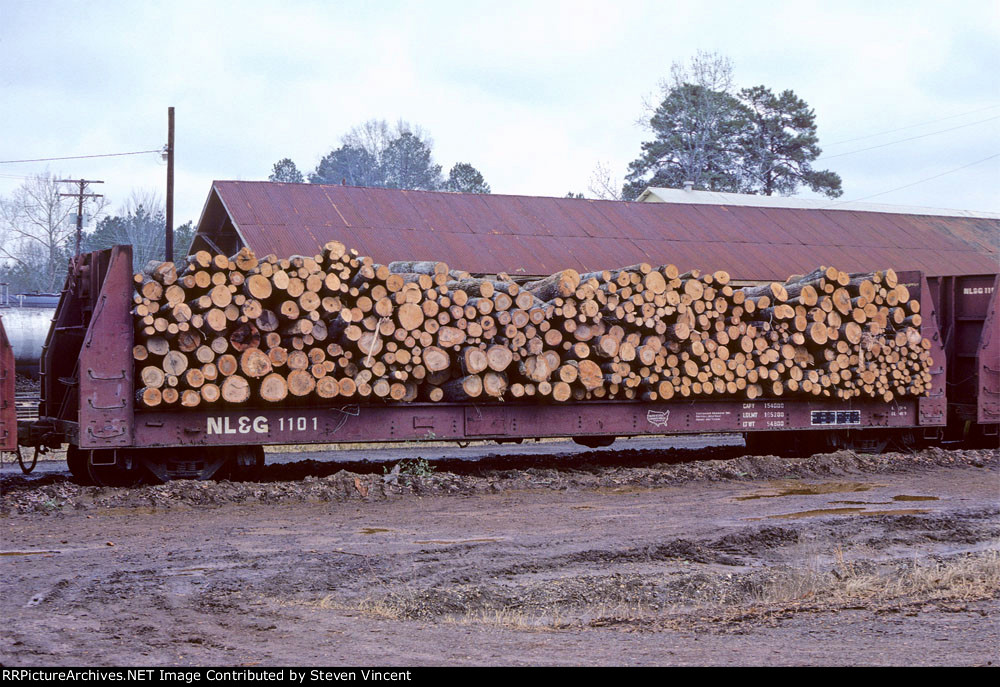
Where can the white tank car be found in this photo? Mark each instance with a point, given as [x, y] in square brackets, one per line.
[26, 319]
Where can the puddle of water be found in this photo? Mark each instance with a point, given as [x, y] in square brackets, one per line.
[794, 488]
[902, 511]
[845, 511]
[625, 489]
[908, 497]
[135, 510]
[457, 541]
[26, 553]
[819, 511]
[373, 530]
[865, 503]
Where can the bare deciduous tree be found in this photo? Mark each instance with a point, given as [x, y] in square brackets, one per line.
[750, 141]
[36, 235]
[708, 71]
[379, 155]
[375, 136]
[604, 185]
[696, 129]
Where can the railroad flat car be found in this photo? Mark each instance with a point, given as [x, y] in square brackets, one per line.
[88, 397]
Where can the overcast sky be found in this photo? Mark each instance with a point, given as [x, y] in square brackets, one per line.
[533, 94]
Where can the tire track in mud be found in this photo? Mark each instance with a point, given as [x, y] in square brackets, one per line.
[678, 571]
[241, 572]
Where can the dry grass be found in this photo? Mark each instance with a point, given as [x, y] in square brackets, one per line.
[382, 609]
[725, 599]
[964, 578]
[505, 618]
[509, 619]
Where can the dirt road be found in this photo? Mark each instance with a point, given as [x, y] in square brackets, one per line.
[839, 559]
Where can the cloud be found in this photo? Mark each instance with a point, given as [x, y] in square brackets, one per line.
[532, 94]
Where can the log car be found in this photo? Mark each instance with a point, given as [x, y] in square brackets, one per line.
[88, 398]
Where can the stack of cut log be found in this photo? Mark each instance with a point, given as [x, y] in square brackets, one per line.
[239, 330]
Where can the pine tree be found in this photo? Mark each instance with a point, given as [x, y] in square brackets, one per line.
[375, 154]
[780, 143]
[285, 170]
[407, 163]
[464, 178]
[697, 138]
[751, 141]
[348, 165]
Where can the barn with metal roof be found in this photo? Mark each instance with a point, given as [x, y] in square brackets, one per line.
[529, 236]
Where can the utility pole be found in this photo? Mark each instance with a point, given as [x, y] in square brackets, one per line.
[80, 195]
[169, 240]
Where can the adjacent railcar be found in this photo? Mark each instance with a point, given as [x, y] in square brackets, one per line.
[8, 411]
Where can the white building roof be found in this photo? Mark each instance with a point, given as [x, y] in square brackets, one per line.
[655, 194]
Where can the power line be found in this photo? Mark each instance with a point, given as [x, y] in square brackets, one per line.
[912, 126]
[899, 188]
[904, 140]
[80, 195]
[80, 157]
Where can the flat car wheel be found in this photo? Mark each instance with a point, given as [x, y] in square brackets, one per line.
[113, 468]
[76, 460]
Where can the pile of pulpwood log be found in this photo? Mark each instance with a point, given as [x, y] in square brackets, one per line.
[243, 330]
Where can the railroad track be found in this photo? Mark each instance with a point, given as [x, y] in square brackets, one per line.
[563, 456]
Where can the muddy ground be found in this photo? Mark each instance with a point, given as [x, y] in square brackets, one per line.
[617, 559]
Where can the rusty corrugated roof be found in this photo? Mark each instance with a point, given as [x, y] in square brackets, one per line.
[535, 235]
